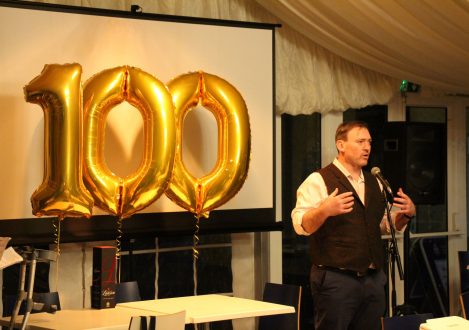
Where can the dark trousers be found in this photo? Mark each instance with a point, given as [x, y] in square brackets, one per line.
[343, 301]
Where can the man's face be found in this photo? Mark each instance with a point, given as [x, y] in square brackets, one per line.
[356, 149]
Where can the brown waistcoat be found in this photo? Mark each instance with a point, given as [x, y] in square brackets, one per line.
[352, 240]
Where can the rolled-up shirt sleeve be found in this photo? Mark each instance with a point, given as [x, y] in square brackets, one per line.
[384, 225]
[310, 194]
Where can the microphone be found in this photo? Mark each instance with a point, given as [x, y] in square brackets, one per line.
[386, 186]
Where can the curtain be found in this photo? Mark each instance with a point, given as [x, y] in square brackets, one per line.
[425, 41]
[309, 77]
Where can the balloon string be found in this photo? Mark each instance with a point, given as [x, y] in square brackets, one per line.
[195, 252]
[118, 251]
[56, 225]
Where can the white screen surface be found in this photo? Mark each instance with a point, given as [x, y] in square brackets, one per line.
[30, 39]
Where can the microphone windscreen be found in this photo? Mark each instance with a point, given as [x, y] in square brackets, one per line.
[375, 171]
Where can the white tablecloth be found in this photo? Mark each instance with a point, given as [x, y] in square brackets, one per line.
[210, 307]
[446, 323]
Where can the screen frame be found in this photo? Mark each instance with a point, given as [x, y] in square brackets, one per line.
[104, 227]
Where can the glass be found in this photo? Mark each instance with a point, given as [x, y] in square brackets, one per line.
[301, 155]
[426, 278]
[175, 269]
[428, 275]
[430, 217]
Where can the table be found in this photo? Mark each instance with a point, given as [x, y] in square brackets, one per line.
[199, 309]
[443, 323]
[79, 319]
[209, 308]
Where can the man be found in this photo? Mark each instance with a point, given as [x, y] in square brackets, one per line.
[342, 208]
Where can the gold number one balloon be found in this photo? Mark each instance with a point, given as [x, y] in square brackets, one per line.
[62, 192]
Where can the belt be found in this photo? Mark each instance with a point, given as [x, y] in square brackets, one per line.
[353, 273]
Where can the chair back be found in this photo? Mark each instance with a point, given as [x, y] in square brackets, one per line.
[405, 322]
[174, 321]
[46, 302]
[42, 302]
[463, 257]
[127, 292]
[285, 294]
[464, 300]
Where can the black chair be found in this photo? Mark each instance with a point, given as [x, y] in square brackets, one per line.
[285, 294]
[42, 302]
[463, 257]
[46, 302]
[464, 300]
[405, 322]
[127, 292]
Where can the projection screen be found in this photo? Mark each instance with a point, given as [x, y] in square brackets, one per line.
[33, 35]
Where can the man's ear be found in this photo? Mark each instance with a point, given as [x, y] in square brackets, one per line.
[339, 145]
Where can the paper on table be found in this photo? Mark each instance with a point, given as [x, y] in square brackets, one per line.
[8, 256]
[448, 321]
[3, 245]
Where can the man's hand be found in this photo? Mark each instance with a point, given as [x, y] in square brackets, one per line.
[336, 204]
[406, 209]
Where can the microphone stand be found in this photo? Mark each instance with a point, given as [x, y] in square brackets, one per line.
[393, 252]
[406, 308]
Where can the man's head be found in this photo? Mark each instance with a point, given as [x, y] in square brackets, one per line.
[353, 142]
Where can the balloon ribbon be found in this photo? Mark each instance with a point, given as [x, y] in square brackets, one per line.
[195, 251]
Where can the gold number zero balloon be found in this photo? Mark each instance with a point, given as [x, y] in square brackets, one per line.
[62, 192]
[103, 91]
[201, 195]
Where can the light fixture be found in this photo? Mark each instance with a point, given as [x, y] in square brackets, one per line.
[409, 87]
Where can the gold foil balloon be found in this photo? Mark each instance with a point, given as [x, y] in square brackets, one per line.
[62, 192]
[125, 196]
[201, 195]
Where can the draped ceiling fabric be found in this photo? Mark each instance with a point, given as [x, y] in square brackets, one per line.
[424, 41]
[338, 54]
